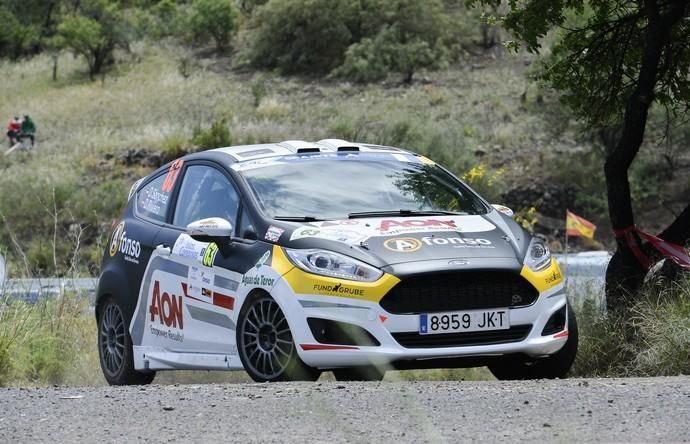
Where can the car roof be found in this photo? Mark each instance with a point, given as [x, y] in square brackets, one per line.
[244, 153]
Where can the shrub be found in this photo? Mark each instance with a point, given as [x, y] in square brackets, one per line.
[272, 109]
[487, 182]
[218, 135]
[308, 36]
[372, 37]
[216, 19]
[258, 87]
[15, 38]
[410, 39]
[174, 146]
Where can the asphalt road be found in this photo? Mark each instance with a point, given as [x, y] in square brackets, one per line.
[623, 410]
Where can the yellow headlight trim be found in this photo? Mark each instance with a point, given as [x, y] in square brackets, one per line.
[544, 279]
[302, 282]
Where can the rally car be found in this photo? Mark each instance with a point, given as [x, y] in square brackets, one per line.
[294, 258]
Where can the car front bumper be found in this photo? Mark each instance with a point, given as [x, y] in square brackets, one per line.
[382, 325]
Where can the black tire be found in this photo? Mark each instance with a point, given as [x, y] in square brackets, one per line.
[366, 373]
[115, 348]
[555, 366]
[265, 345]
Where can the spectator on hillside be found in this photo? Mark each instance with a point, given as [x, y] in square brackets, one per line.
[13, 129]
[28, 129]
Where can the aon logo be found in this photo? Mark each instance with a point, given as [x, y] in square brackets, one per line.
[166, 308]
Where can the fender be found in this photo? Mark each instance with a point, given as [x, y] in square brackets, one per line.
[114, 282]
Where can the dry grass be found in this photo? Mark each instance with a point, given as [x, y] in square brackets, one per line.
[650, 338]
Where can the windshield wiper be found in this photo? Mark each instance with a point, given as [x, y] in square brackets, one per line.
[298, 218]
[403, 213]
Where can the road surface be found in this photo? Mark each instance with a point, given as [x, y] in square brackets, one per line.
[623, 410]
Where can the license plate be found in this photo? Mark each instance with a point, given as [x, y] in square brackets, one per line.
[464, 321]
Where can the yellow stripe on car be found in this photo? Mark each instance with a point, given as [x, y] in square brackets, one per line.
[302, 282]
[306, 283]
[544, 279]
[279, 262]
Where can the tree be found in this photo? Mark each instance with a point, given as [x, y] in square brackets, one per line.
[25, 24]
[94, 31]
[214, 18]
[410, 38]
[613, 61]
[308, 36]
[370, 37]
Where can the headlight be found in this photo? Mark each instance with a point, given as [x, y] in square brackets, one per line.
[538, 255]
[327, 263]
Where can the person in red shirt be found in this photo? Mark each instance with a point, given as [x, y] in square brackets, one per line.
[13, 129]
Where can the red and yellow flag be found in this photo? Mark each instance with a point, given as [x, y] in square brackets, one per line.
[578, 226]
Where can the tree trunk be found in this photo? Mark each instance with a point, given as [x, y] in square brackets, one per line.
[98, 63]
[679, 231]
[55, 57]
[625, 274]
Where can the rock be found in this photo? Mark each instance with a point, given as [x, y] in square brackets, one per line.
[141, 157]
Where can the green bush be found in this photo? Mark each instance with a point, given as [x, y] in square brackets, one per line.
[218, 135]
[16, 39]
[410, 39]
[371, 37]
[308, 36]
[216, 19]
[259, 89]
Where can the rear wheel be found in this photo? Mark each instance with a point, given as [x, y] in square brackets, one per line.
[555, 366]
[365, 373]
[265, 343]
[115, 348]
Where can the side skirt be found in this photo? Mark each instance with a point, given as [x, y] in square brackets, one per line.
[155, 358]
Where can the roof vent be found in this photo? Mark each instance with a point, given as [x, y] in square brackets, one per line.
[300, 146]
[339, 145]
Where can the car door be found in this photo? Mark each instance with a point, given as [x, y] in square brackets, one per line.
[201, 294]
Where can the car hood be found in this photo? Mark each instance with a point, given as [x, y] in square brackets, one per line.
[394, 240]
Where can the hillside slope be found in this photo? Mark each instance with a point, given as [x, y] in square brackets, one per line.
[484, 112]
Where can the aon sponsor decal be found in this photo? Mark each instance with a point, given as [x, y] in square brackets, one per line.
[166, 309]
[388, 224]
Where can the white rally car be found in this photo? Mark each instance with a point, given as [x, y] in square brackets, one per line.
[293, 258]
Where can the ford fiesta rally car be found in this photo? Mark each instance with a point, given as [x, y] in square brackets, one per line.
[293, 258]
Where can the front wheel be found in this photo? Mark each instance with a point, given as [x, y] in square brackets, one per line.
[555, 366]
[265, 343]
[115, 348]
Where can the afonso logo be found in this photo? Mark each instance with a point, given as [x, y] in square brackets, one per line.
[403, 244]
[116, 239]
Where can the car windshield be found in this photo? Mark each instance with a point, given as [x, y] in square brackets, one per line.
[335, 186]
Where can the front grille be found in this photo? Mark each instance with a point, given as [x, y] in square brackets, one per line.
[515, 333]
[438, 292]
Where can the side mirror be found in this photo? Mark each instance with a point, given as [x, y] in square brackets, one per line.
[503, 209]
[213, 227]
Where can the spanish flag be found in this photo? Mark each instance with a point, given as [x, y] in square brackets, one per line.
[578, 226]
